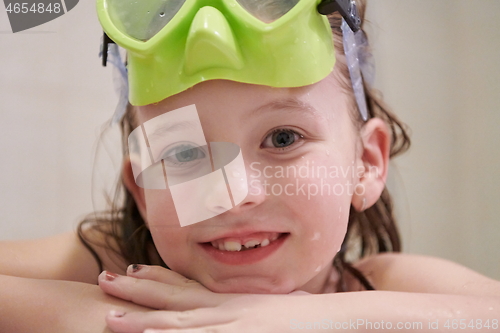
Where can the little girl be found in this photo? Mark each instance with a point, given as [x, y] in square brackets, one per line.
[254, 169]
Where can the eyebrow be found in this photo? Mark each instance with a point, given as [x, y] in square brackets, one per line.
[169, 128]
[291, 105]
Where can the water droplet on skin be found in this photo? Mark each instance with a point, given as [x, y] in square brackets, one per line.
[327, 152]
[316, 236]
[318, 269]
[302, 157]
[235, 174]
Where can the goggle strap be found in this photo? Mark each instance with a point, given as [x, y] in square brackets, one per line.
[354, 48]
[105, 42]
[346, 8]
[110, 53]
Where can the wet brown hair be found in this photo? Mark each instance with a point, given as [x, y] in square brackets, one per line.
[371, 231]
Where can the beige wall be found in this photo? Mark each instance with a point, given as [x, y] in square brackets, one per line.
[54, 96]
[437, 64]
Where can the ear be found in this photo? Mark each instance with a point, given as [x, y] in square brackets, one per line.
[375, 139]
[136, 191]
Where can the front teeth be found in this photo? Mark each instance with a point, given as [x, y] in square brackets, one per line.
[251, 243]
[233, 246]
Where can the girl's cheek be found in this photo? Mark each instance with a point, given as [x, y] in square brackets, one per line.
[160, 208]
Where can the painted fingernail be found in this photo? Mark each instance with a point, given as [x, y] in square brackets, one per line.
[136, 268]
[117, 314]
[111, 276]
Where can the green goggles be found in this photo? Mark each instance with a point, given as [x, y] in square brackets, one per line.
[174, 44]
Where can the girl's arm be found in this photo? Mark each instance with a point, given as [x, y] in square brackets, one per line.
[368, 311]
[37, 305]
[60, 257]
[424, 274]
[34, 297]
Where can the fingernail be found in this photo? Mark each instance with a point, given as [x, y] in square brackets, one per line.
[135, 268]
[111, 276]
[117, 314]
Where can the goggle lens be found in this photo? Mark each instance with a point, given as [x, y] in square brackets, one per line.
[144, 18]
[268, 10]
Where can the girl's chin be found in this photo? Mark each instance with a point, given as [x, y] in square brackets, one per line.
[249, 288]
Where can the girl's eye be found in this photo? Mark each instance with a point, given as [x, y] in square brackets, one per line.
[183, 155]
[281, 138]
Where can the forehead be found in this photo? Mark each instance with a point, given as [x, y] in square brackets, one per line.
[226, 100]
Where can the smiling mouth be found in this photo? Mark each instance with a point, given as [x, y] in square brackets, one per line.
[255, 241]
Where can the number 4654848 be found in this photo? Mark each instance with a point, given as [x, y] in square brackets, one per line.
[36, 8]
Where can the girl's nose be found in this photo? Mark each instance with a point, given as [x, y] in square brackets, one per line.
[256, 195]
[218, 199]
[244, 192]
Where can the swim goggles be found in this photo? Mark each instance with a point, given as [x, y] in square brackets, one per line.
[174, 44]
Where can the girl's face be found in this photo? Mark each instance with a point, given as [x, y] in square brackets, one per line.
[300, 151]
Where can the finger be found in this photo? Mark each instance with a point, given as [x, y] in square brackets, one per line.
[139, 321]
[158, 295]
[158, 273]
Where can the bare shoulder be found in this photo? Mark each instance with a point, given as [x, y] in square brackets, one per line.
[424, 274]
[59, 257]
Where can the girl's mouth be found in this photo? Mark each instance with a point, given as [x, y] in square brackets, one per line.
[232, 244]
[245, 250]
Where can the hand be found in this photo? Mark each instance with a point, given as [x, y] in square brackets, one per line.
[159, 288]
[192, 306]
[246, 313]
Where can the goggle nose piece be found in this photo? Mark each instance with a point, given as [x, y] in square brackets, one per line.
[211, 43]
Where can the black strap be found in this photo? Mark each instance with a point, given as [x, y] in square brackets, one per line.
[105, 42]
[346, 8]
